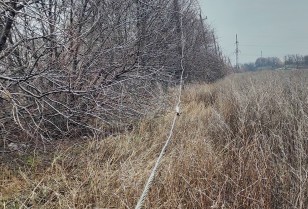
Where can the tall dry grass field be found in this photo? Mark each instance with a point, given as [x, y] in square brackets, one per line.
[239, 143]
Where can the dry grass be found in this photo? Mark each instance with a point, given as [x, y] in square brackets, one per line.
[239, 143]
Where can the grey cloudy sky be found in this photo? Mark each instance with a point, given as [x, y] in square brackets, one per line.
[275, 27]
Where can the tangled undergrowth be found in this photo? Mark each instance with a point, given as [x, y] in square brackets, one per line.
[239, 143]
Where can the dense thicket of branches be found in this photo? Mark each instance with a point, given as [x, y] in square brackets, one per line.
[68, 65]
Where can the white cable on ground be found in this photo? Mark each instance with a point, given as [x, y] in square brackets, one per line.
[151, 178]
[177, 109]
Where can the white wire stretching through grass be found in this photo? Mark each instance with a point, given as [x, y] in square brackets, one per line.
[177, 109]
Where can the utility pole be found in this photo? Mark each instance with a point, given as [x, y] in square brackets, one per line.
[204, 31]
[261, 54]
[214, 39]
[236, 52]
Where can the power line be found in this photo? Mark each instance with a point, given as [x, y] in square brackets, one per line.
[236, 51]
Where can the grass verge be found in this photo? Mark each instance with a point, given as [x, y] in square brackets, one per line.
[239, 143]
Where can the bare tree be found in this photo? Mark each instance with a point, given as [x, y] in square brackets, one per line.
[76, 66]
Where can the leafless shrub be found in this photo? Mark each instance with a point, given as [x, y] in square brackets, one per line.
[70, 67]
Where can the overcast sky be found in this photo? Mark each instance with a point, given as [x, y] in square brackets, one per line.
[275, 27]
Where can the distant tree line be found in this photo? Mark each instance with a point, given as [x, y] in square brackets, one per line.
[70, 66]
[296, 60]
[273, 62]
[262, 63]
[290, 61]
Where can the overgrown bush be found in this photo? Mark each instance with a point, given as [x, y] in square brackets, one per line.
[70, 67]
